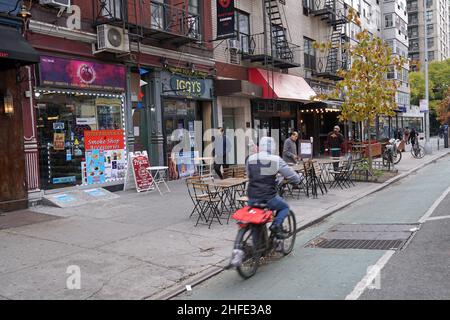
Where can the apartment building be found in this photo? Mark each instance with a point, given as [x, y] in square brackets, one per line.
[435, 15]
[113, 77]
[270, 69]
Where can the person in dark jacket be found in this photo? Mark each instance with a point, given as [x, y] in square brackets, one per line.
[262, 170]
[222, 146]
[290, 148]
[413, 136]
[335, 140]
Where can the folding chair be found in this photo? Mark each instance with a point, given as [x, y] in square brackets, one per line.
[208, 203]
[339, 175]
[189, 185]
[318, 176]
[310, 178]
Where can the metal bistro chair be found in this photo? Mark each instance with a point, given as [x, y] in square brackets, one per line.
[189, 184]
[317, 170]
[341, 175]
[208, 203]
[310, 182]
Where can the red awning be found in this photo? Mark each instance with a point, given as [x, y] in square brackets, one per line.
[281, 86]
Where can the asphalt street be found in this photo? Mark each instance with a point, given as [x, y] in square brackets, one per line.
[421, 270]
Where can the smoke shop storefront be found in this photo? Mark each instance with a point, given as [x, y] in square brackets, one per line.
[80, 121]
[186, 110]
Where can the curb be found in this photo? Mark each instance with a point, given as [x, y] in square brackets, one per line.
[215, 270]
[369, 192]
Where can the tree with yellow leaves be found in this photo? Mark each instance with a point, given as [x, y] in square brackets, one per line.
[365, 89]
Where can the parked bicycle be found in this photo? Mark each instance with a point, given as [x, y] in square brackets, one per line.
[417, 150]
[391, 153]
[255, 241]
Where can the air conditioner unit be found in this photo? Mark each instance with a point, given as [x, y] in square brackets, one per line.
[112, 39]
[234, 45]
[56, 3]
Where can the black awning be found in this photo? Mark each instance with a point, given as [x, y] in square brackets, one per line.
[15, 50]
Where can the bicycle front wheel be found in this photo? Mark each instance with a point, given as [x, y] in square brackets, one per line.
[248, 240]
[397, 157]
[290, 226]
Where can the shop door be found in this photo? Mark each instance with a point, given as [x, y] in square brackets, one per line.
[179, 114]
[267, 127]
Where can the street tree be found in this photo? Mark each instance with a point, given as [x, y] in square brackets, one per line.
[366, 89]
[443, 108]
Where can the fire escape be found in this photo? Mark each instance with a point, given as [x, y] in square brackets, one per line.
[149, 20]
[334, 13]
[272, 48]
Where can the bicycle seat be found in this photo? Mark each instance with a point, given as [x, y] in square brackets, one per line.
[259, 205]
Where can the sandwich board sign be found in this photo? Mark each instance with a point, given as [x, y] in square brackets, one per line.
[306, 148]
[138, 176]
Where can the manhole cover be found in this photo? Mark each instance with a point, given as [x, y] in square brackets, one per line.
[365, 236]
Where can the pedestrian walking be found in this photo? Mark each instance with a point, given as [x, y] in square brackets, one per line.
[222, 147]
[413, 136]
[335, 140]
[406, 134]
[290, 154]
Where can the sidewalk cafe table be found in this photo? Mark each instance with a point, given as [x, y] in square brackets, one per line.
[227, 189]
[158, 174]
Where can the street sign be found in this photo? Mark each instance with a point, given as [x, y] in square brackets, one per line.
[423, 105]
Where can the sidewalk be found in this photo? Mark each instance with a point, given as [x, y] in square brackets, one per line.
[139, 246]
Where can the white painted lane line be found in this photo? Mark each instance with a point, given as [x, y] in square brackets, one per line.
[369, 278]
[438, 218]
[434, 206]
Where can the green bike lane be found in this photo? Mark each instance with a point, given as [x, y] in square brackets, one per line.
[314, 273]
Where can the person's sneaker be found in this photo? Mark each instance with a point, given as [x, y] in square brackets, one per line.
[279, 232]
[236, 258]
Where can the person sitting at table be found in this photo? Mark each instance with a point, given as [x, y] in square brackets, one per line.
[290, 148]
[262, 169]
[335, 140]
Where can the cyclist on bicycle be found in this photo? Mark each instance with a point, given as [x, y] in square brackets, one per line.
[262, 169]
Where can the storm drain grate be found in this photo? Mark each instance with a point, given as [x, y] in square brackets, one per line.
[365, 236]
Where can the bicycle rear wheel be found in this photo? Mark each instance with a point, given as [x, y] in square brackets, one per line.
[397, 157]
[248, 240]
[290, 226]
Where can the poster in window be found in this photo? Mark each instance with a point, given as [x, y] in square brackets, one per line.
[58, 141]
[225, 19]
[95, 166]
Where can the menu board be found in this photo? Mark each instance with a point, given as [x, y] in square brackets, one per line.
[138, 163]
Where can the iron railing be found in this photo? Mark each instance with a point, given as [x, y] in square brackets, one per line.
[260, 45]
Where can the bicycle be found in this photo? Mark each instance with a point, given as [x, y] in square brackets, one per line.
[391, 153]
[255, 241]
[417, 150]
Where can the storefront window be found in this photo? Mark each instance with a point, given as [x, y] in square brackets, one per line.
[81, 139]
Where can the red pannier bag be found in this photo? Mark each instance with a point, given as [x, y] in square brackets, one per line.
[252, 215]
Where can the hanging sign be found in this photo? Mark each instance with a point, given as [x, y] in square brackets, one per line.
[104, 139]
[225, 19]
[138, 163]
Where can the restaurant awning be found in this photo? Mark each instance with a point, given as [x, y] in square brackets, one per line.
[15, 50]
[281, 86]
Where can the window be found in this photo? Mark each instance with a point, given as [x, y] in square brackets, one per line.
[112, 9]
[429, 3]
[414, 45]
[391, 73]
[194, 18]
[388, 21]
[412, 5]
[430, 29]
[413, 18]
[242, 27]
[430, 42]
[413, 32]
[309, 54]
[429, 16]
[430, 55]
